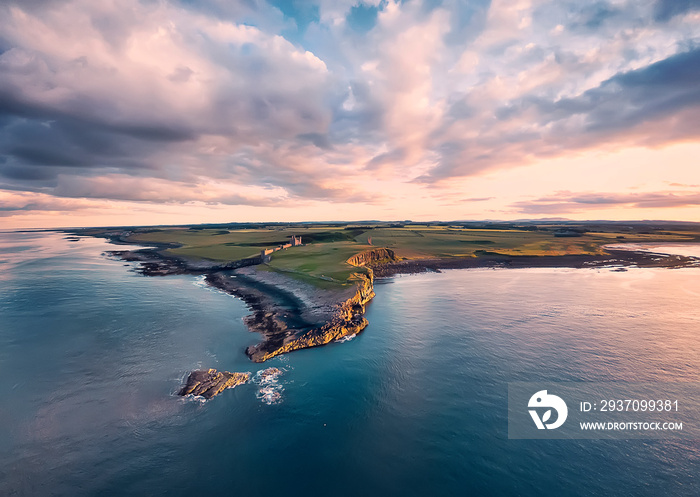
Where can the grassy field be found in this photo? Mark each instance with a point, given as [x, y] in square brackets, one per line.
[322, 258]
[414, 243]
[228, 245]
[325, 261]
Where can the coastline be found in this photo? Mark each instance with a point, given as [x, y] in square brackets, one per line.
[290, 314]
[615, 258]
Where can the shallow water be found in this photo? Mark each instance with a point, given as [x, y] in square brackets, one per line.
[687, 249]
[91, 353]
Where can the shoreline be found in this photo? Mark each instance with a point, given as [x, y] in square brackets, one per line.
[616, 258]
[288, 314]
[292, 315]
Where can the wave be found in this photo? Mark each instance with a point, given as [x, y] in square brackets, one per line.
[270, 391]
[201, 282]
[270, 395]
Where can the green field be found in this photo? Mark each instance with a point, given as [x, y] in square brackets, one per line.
[322, 258]
[229, 245]
[325, 261]
[415, 243]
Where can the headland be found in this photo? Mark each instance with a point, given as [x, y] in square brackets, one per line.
[308, 284]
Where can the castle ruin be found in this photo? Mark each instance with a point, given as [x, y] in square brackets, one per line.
[265, 254]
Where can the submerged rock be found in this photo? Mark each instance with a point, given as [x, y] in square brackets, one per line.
[269, 374]
[269, 395]
[211, 382]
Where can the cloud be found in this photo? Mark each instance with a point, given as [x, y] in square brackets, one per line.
[632, 98]
[594, 16]
[566, 202]
[685, 185]
[22, 203]
[477, 199]
[264, 103]
[667, 9]
[152, 75]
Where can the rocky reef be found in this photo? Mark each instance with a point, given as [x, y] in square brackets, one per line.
[210, 382]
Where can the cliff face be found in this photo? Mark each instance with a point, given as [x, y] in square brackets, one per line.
[373, 257]
[347, 320]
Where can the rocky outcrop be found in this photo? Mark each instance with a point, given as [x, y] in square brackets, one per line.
[211, 382]
[373, 257]
[348, 320]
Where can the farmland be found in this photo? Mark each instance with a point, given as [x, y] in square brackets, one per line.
[322, 259]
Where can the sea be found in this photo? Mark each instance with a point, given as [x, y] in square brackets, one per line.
[92, 355]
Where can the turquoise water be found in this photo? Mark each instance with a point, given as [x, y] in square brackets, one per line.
[91, 354]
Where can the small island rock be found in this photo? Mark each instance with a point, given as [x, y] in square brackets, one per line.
[211, 382]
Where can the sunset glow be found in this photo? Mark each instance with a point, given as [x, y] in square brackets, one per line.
[166, 112]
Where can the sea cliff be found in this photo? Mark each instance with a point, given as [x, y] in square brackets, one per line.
[289, 313]
[348, 319]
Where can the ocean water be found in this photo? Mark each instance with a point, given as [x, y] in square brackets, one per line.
[92, 353]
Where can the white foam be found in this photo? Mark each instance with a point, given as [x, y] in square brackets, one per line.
[201, 282]
[270, 395]
[193, 398]
[263, 378]
[270, 391]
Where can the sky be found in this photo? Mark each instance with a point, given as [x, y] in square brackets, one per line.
[143, 112]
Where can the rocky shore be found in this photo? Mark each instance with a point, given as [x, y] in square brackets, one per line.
[346, 319]
[288, 313]
[292, 315]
